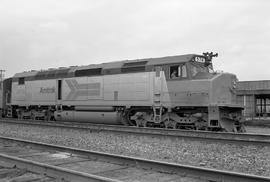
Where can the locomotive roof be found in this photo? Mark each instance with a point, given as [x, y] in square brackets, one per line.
[111, 65]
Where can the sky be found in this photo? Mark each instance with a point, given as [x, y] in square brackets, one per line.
[42, 34]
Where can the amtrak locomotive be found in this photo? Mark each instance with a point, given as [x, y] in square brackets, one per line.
[171, 92]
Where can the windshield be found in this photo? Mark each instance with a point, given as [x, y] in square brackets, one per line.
[197, 68]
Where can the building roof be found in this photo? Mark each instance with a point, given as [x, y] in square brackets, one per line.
[253, 87]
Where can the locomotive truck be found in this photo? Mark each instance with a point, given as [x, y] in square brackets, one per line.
[170, 92]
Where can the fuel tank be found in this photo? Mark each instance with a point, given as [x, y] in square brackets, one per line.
[89, 116]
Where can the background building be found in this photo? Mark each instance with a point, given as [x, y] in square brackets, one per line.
[255, 97]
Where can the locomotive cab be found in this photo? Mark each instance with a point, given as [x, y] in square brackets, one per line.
[190, 70]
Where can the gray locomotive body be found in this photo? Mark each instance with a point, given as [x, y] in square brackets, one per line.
[172, 92]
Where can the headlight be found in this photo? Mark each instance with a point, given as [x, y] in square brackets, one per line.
[234, 84]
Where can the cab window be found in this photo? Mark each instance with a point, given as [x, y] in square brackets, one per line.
[21, 81]
[178, 71]
[197, 69]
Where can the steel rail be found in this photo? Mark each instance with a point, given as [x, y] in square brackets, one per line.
[53, 171]
[250, 139]
[186, 170]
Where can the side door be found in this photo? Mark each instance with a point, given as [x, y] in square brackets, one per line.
[59, 91]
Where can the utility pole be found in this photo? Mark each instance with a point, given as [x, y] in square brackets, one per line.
[1, 87]
[2, 75]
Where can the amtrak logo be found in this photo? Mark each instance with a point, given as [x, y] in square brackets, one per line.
[48, 90]
[84, 89]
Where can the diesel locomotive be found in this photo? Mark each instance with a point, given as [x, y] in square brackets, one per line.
[170, 92]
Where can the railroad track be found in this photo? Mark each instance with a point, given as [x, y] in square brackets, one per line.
[11, 174]
[73, 164]
[250, 139]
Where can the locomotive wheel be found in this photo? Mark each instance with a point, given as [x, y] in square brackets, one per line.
[142, 123]
[228, 124]
[126, 117]
[138, 117]
[170, 124]
[200, 125]
[241, 128]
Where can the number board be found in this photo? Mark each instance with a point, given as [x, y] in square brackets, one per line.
[199, 59]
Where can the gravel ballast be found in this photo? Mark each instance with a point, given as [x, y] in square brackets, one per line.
[249, 159]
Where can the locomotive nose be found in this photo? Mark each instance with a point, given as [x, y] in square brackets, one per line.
[224, 89]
